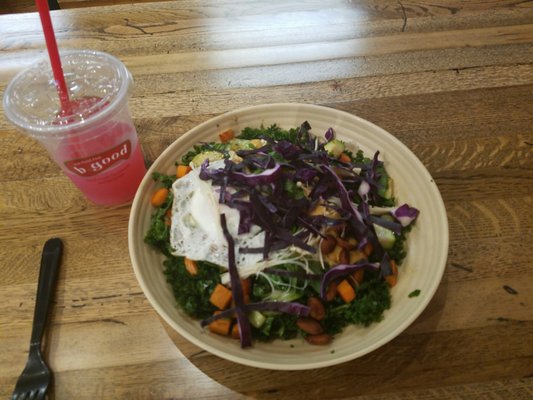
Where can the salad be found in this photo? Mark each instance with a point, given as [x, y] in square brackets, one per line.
[276, 234]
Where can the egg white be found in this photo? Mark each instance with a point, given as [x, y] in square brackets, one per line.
[196, 232]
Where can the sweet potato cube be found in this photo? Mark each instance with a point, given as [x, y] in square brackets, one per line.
[392, 279]
[220, 326]
[346, 291]
[221, 297]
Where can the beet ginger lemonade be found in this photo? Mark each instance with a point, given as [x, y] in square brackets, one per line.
[88, 131]
[109, 170]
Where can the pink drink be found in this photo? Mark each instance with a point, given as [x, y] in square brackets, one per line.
[92, 138]
[127, 177]
[105, 162]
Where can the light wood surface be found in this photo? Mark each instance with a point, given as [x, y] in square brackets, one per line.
[24, 6]
[453, 80]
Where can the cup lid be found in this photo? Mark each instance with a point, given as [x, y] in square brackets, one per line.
[97, 82]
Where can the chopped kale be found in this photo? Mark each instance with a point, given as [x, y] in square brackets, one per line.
[398, 251]
[272, 132]
[373, 298]
[166, 180]
[276, 326]
[360, 158]
[293, 190]
[200, 148]
[192, 292]
[158, 234]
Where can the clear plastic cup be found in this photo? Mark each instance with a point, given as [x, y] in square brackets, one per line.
[94, 141]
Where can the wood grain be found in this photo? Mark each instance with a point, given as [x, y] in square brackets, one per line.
[451, 79]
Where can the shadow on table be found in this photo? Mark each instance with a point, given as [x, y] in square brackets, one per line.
[404, 363]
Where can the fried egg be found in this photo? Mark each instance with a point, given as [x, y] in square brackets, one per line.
[196, 231]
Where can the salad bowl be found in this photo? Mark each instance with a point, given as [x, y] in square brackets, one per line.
[421, 271]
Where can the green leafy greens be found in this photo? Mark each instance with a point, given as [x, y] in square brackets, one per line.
[192, 292]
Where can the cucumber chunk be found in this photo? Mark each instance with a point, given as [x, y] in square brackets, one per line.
[385, 190]
[386, 237]
[210, 155]
[256, 318]
[334, 148]
[241, 144]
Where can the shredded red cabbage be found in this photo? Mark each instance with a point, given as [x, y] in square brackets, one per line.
[405, 214]
[385, 266]
[267, 176]
[228, 313]
[297, 309]
[277, 186]
[329, 134]
[305, 175]
[288, 150]
[357, 223]
[342, 270]
[264, 179]
[385, 223]
[236, 288]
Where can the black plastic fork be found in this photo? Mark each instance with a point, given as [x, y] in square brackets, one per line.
[36, 376]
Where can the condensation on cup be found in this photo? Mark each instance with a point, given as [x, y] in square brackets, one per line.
[94, 141]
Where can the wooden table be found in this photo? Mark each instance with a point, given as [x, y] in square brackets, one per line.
[451, 79]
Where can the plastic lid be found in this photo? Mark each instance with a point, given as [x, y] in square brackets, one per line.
[98, 86]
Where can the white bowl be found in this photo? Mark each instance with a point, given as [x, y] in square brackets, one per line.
[422, 268]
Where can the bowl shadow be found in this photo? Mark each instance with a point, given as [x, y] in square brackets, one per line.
[402, 364]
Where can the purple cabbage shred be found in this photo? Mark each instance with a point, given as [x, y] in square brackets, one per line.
[293, 308]
[329, 135]
[267, 188]
[341, 271]
[236, 288]
[405, 214]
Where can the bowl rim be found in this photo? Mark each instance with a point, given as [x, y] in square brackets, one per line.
[308, 109]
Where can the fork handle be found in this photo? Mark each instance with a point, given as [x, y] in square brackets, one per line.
[50, 260]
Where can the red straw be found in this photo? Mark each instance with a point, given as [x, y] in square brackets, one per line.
[55, 61]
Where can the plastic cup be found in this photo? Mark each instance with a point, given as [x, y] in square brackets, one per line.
[94, 142]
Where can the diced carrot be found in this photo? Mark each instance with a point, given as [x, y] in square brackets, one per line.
[359, 275]
[235, 332]
[220, 326]
[392, 279]
[367, 249]
[345, 158]
[191, 266]
[246, 286]
[346, 291]
[221, 297]
[182, 170]
[168, 217]
[331, 291]
[227, 135]
[159, 197]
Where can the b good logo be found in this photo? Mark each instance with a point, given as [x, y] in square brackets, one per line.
[98, 163]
